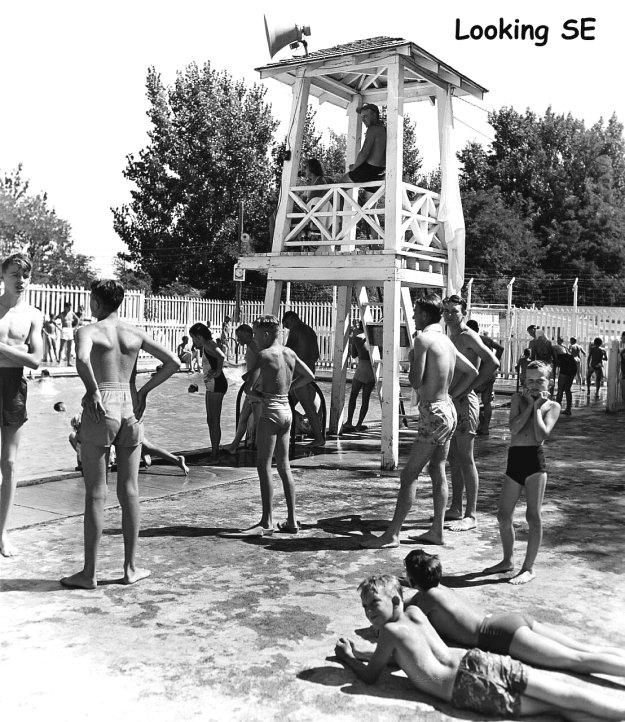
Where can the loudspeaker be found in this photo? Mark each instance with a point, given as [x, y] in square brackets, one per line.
[280, 36]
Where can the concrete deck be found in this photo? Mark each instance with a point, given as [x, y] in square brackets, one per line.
[244, 629]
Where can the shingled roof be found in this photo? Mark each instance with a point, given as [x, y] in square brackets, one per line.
[359, 68]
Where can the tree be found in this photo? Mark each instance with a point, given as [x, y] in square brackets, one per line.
[132, 279]
[208, 150]
[28, 224]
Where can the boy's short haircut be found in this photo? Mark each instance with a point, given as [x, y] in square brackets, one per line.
[532, 326]
[527, 352]
[383, 584]
[109, 292]
[573, 340]
[290, 314]
[473, 325]
[268, 323]
[245, 328]
[433, 306]
[598, 342]
[21, 260]
[424, 570]
[185, 339]
[201, 330]
[541, 366]
[456, 300]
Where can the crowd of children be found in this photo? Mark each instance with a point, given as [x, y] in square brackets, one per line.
[494, 676]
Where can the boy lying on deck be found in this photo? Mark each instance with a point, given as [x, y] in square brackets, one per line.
[518, 635]
[486, 683]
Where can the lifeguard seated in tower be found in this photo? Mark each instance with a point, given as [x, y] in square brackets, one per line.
[370, 163]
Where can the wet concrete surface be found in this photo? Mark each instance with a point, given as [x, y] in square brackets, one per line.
[244, 629]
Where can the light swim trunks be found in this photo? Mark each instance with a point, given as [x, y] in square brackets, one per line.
[119, 426]
[437, 421]
[276, 408]
[67, 333]
[489, 684]
[468, 410]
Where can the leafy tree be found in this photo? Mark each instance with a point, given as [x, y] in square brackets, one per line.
[208, 150]
[28, 224]
[132, 279]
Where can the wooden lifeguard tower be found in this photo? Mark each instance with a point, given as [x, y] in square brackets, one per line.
[406, 244]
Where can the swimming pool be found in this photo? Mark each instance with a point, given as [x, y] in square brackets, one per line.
[175, 419]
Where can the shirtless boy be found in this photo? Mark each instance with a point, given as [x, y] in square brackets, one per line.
[245, 337]
[532, 418]
[280, 370]
[68, 320]
[434, 365]
[462, 464]
[364, 380]
[515, 634]
[21, 344]
[106, 353]
[371, 160]
[474, 680]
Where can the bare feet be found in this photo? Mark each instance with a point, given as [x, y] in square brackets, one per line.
[428, 538]
[258, 530]
[230, 449]
[79, 581]
[465, 524]
[500, 568]
[132, 576]
[6, 547]
[182, 465]
[451, 515]
[386, 541]
[523, 577]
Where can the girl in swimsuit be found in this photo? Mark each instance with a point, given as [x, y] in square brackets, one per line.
[214, 380]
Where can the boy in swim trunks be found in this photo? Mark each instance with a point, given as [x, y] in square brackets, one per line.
[464, 476]
[474, 680]
[106, 353]
[21, 344]
[515, 634]
[439, 373]
[532, 418]
[364, 380]
[280, 370]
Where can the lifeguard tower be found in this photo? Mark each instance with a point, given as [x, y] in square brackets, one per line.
[415, 238]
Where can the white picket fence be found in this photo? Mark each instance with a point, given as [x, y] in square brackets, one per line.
[168, 318]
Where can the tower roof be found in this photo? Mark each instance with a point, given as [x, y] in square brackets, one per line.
[359, 68]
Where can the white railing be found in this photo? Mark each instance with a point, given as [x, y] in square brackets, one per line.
[327, 223]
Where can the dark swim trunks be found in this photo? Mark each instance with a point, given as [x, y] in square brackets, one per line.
[13, 393]
[365, 173]
[497, 630]
[523, 461]
[489, 684]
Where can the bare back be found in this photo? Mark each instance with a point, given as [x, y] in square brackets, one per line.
[113, 349]
[427, 661]
[277, 364]
[376, 135]
[432, 366]
[456, 621]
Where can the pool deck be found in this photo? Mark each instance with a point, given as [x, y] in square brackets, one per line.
[244, 629]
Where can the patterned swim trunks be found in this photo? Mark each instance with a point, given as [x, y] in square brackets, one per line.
[468, 411]
[489, 684]
[437, 422]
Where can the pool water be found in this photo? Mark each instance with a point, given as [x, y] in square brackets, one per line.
[175, 419]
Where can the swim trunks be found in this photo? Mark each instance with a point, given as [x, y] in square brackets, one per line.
[489, 684]
[364, 372]
[276, 408]
[366, 172]
[67, 333]
[437, 422]
[468, 412]
[119, 426]
[523, 461]
[497, 630]
[13, 393]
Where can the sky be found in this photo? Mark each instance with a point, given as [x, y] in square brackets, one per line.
[72, 77]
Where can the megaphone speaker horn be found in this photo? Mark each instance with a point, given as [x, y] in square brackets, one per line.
[279, 36]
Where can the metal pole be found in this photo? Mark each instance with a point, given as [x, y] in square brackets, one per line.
[575, 307]
[469, 289]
